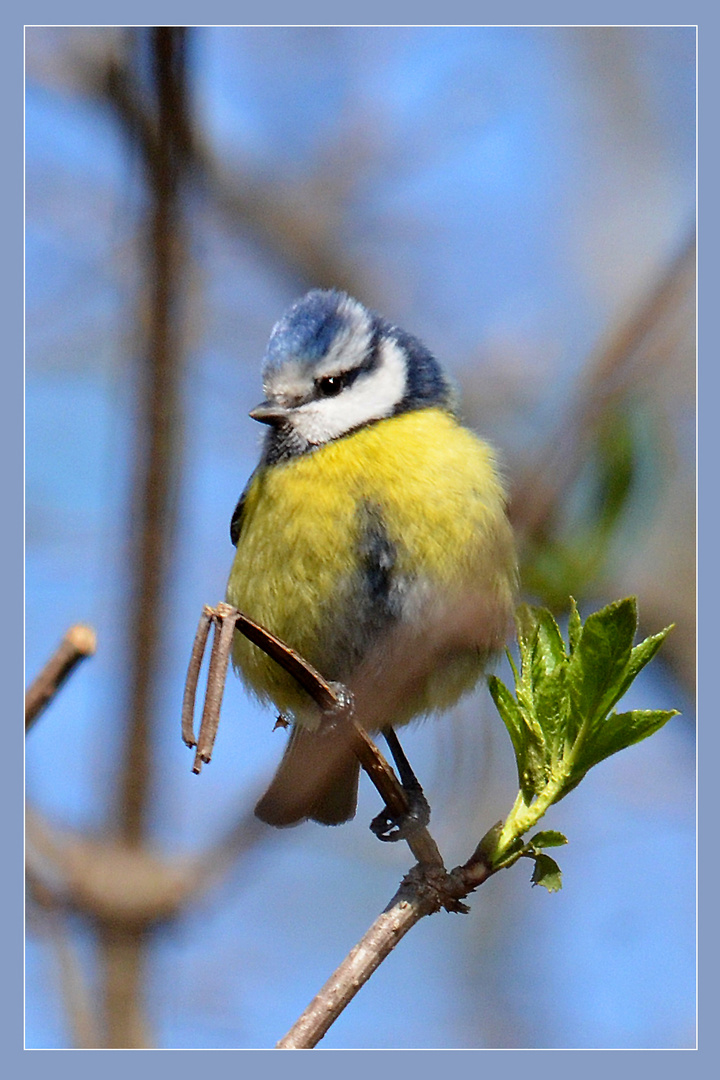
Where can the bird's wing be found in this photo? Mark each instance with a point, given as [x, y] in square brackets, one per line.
[236, 521]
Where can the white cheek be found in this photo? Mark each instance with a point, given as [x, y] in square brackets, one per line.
[371, 397]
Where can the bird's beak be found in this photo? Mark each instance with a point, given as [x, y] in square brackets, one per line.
[268, 413]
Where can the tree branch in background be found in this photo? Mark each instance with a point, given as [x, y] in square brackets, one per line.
[297, 230]
[74, 990]
[121, 941]
[79, 642]
[625, 357]
[616, 432]
[124, 889]
[159, 422]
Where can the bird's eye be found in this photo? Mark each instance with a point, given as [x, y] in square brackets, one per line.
[329, 386]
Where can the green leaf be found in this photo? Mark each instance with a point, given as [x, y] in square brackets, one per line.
[560, 720]
[641, 655]
[617, 732]
[548, 676]
[540, 688]
[599, 662]
[526, 737]
[547, 873]
[526, 622]
[548, 838]
[550, 648]
[574, 626]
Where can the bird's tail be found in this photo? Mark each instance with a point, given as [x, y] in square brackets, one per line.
[317, 779]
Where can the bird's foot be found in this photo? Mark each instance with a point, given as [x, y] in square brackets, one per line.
[392, 827]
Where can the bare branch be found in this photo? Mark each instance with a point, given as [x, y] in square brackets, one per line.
[109, 880]
[123, 957]
[219, 659]
[410, 904]
[79, 642]
[296, 230]
[157, 462]
[75, 993]
[624, 357]
[424, 891]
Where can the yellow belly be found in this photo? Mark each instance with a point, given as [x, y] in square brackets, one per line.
[296, 566]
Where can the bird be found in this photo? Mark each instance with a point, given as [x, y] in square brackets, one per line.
[372, 538]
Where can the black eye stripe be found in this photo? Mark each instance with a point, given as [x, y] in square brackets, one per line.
[332, 385]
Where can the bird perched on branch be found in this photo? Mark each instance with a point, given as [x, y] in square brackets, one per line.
[372, 538]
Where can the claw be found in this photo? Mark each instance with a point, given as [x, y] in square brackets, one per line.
[392, 827]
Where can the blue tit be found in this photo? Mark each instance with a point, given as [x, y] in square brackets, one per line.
[372, 538]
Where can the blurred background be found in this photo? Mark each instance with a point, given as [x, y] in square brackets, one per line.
[522, 199]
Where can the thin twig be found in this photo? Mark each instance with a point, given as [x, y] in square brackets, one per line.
[407, 907]
[79, 642]
[328, 696]
[188, 705]
[381, 772]
[321, 691]
[229, 619]
[383, 777]
[424, 891]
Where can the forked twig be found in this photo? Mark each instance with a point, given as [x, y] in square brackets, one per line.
[427, 888]
[328, 696]
[230, 619]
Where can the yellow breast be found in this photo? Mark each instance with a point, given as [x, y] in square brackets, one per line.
[442, 506]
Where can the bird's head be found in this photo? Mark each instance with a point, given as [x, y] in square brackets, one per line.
[332, 367]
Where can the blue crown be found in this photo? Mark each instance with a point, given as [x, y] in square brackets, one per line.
[308, 329]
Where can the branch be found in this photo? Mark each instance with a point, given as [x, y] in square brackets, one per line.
[331, 698]
[624, 356]
[156, 464]
[423, 891]
[79, 642]
[299, 232]
[413, 900]
[75, 991]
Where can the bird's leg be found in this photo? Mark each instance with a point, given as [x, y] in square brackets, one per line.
[389, 826]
